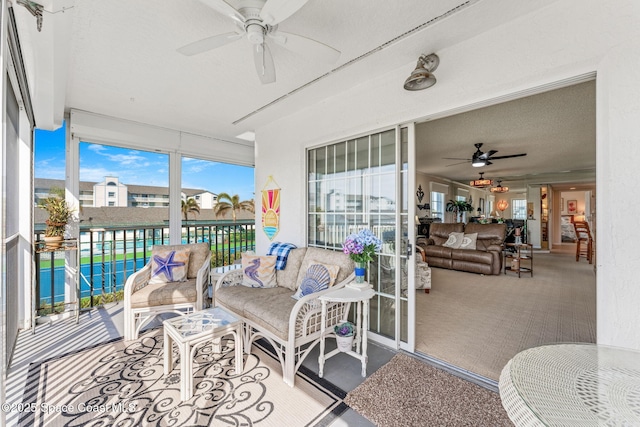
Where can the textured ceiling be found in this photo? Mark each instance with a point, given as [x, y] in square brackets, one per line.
[124, 61]
[119, 59]
[556, 129]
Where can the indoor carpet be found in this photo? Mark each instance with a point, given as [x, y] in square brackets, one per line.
[408, 392]
[123, 383]
[478, 322]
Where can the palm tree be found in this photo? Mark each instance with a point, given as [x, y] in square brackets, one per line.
[228, 203]
[190, 205]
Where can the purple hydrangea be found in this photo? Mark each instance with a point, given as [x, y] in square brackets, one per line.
[362, 246]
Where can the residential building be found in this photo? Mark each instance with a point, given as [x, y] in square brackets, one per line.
[113, 193]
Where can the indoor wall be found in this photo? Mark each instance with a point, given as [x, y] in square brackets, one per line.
[466, 80]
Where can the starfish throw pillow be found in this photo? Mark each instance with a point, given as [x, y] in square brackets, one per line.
[169, 265]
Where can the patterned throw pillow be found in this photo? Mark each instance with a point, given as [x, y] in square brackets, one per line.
[319, 277]
[454, 241]
[469, 241]
[259, 271]
[169, 265]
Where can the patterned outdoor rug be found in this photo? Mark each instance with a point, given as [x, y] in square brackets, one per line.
[123, 384]
[408, 392]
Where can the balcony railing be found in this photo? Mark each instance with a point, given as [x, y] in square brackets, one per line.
[109, 255]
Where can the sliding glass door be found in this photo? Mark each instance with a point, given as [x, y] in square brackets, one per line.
[363, 183]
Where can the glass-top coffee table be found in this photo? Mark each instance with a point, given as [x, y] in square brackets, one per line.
[191, 330]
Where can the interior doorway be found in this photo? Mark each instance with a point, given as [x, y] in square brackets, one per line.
[475, 321]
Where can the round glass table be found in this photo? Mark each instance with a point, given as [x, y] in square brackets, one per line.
[572, 385]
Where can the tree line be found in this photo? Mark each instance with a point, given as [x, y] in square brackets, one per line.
[226, 203]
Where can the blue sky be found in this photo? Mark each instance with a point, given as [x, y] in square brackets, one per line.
[138, 167]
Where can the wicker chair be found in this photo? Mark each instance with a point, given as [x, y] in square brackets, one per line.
[143, 301]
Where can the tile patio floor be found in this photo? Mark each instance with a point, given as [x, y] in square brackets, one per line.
[103, 324]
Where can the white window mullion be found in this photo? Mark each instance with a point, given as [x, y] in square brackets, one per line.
[175, 200]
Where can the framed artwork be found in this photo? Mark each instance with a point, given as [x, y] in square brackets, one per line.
[572, 206]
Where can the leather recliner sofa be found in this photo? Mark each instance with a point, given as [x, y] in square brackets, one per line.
[486, 258]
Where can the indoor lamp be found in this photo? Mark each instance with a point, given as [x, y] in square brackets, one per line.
[502, 205]
[482, 182]
[499, 188]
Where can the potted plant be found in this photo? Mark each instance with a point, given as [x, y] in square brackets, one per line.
[344, 335]
[457, 207]
[59, 214]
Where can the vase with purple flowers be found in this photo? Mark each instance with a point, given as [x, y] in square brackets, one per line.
[361, 248]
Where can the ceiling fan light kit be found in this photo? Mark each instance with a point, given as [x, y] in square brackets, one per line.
[258, 21]
[479, 158]
[422, 77]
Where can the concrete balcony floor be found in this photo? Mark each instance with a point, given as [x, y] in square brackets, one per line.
[106, 323]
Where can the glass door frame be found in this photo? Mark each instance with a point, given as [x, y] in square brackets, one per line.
[410, 191]
[404, 219]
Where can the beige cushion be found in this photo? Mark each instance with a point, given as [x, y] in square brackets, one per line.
[288, 277]
[268, 307]
[156, 294]
[199, 253]
[272, 311]
[326, 256]
[259, 271]
[319, 277]
[169, 265]
[454, 241]
[469, 241]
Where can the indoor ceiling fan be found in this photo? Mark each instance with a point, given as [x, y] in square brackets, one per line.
[257, 21]
[480, 159]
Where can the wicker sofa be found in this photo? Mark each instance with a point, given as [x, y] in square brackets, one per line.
[486, 258]
[291, 326]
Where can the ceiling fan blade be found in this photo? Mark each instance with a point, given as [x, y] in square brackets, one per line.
[508, 157]
[455, 158]
[224, 8]
[276, 11]
[305, 46]
[209, 43]
[459, 163]
[488, 154]
[264, 63]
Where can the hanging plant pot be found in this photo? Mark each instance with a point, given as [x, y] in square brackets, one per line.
[344, 343]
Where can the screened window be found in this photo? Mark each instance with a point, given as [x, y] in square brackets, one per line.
[519, 208]
[437, 205]
[352, 186]
[463, 215]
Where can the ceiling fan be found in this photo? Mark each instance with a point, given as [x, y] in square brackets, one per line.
[258, 20]
[480, 159]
